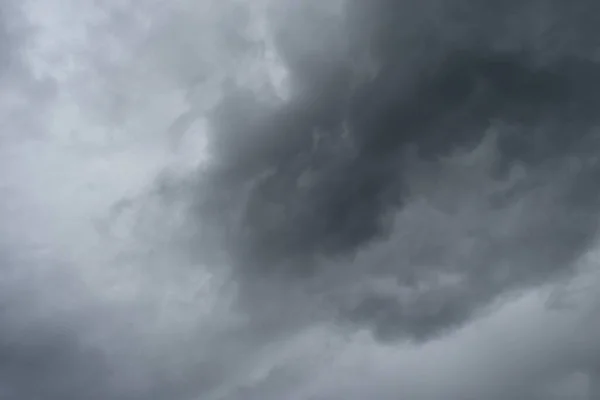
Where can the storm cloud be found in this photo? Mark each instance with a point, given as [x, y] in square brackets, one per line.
[312, 189]
[299, 199]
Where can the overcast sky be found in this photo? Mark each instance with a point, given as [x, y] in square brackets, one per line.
[299, 199]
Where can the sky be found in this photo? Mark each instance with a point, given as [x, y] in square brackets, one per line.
[305, 200]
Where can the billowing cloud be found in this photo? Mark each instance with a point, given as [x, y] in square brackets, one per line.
[467, 163]
[304, 200]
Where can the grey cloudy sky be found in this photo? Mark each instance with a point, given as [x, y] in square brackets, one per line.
[235, 200]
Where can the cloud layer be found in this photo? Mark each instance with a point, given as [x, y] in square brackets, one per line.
[233, 200]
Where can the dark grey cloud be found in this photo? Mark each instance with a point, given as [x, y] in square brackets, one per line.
[305, 187]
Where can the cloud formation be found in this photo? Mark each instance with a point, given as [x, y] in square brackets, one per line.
[336, 170]
[263, 200]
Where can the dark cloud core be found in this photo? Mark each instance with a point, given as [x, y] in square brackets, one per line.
[322, 177]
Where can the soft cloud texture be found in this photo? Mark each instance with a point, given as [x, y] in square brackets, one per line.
[266, 200]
